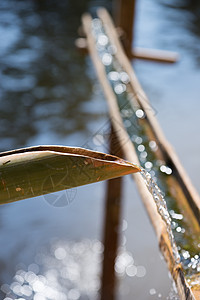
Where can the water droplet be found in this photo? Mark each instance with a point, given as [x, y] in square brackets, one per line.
[153, 145]
[39, 297]
[38, 286]
[168, 171]
[140, 113]
[19, 278]
[124, 225]
[152, 291]
[119, 88]
[114, 76]
[124, 77]
[143, 155]
[16, 288]
[131, 270]
[96, 23]
[26, 290]
[148, 165]
[73, 294]
[60, 253]
[127, 123]
[5, 288]
[138, 140]
[185, 254]
[34, 268]
[30, 277]
[141, 271]
[107, 59]
[175, 215]
[163, 168]
[102, 40]
[112, 49]
[127, 113]
[178, 229]
[141, 148]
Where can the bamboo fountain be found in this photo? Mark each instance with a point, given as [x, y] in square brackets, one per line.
[140, 136]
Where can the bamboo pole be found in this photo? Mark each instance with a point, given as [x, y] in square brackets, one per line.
[35, 171]
[129, 151]
[167, 149]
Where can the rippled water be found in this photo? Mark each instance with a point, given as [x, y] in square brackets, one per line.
[68, 270]
[49, 95]
[62, 270]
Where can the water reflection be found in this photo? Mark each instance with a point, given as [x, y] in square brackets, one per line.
[45, 93]
[67, 270]
[44, 80]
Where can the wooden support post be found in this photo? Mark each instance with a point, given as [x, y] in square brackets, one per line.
[124, 15]
[124, 19]
[112, 227]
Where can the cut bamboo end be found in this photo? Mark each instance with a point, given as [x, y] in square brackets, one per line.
[35, 171]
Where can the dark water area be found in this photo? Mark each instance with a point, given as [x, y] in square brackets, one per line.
[49, 94]
[45, 83]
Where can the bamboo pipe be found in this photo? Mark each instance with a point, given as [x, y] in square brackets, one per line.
[167, 149]
[128, 149]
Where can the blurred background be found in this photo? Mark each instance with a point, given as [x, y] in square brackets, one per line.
[49, 94]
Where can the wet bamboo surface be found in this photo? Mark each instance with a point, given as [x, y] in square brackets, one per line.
[191, 196]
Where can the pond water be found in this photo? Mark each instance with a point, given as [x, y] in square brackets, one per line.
[49, 95]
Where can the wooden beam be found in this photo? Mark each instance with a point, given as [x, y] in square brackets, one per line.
[124, 18]
[161, 56]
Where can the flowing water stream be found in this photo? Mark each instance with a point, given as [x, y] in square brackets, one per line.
[162, 209]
